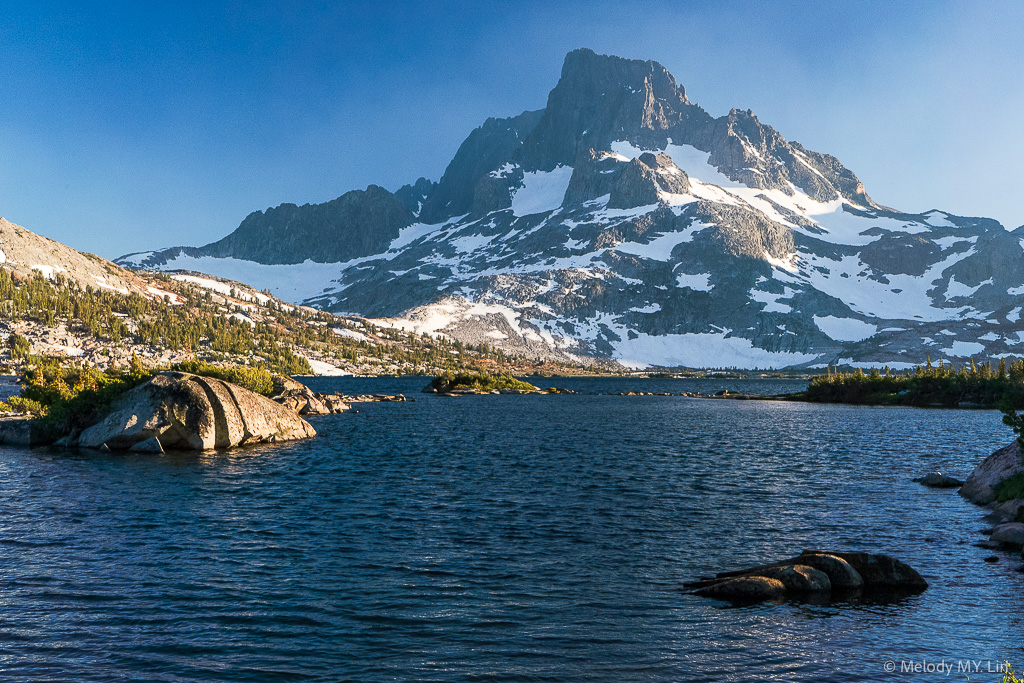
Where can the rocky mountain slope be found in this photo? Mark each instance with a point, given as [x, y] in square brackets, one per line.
[623, 221]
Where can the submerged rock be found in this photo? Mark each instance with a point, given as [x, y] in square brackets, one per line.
[938, 480]
[183, 411]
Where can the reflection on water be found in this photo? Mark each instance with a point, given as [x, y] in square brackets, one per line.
[502, 538]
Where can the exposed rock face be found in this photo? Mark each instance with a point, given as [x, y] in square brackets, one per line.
[598, 98]
[183, 411]
[20, 431]
[980, 485]
[358, 223]
[486, 149]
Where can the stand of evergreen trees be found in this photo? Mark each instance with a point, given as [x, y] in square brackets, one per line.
[926, 385]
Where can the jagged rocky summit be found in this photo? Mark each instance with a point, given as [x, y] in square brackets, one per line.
[623, 221]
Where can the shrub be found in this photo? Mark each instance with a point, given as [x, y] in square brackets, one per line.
[925, 385]
[256, 379]
[19, 346]
[1011, 488]
[18, 404]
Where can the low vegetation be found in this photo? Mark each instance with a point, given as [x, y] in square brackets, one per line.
[926, 385]
[479, 381]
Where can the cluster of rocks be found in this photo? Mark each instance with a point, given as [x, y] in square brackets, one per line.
[481, 392]
[812, 573]
[375, 398]
[302, 400]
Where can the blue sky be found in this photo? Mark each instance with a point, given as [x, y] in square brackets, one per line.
[131, 126]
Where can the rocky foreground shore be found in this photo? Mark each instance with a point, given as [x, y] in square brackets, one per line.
[986, 486]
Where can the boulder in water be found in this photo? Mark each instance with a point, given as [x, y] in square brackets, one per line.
[812, 573]
[190, 412]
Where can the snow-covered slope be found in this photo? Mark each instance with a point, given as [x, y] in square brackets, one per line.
[625, 222]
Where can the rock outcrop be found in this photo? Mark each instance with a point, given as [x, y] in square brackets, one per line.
[813, 572]
[181, 411]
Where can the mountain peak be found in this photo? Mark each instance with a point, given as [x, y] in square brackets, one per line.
[584, 67]
[600, 99]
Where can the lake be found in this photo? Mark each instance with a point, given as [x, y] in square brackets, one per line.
[505, 538]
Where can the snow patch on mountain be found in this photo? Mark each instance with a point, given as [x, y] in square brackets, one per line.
[844, 329]
[710, 349]
[964, 349]
[542, 191]
[701, 282]
[661, 246]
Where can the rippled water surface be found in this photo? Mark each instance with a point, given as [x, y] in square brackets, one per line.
[508, 538]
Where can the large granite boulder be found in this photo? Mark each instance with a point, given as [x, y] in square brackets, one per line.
[980, 486]
[21, 430]
[840, 573]
[190, 412]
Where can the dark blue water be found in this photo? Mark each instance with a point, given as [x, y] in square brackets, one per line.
[502, 538]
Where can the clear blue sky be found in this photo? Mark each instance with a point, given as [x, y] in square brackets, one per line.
[127, 126]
